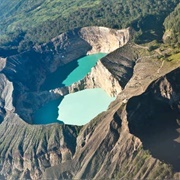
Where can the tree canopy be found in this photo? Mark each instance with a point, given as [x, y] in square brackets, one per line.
[172, 26]
[26, 23]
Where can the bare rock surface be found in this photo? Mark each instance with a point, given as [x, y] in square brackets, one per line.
[125, 142]
[103, 39]
[6, 92]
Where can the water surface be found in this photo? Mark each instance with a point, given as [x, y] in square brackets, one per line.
[84, 67]
[48, 113]
[71, 72]
[77, 108]
[80, 107]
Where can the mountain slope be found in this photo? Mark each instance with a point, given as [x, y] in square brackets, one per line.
[25, 23]
[137, 137]
[25, 14]
[110, 145]
[172, 26]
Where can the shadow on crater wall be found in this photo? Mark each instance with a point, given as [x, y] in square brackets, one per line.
[156, 123]
[55, 79]
[48, 113]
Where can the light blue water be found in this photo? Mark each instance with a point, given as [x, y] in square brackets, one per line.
[80, 107]
[84, 67]
[77, 108]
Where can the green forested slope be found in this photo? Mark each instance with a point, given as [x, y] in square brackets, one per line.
[35, 21]
[22, 15]
[172, 25]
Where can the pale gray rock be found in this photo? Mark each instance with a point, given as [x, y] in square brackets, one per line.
[6, 93]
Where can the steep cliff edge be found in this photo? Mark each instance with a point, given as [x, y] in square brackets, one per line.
[99, 77]
[27, 150]
[104, 39]
[111, 73]
[80, 42]
[155, 120]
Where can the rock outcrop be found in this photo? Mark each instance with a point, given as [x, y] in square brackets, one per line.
[111, 73]
[3, 63]
[6, 92]
[26, 150]
[99, 77]
[103, 39]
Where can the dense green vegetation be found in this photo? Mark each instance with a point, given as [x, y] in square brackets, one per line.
[26, 23]
[172, 25]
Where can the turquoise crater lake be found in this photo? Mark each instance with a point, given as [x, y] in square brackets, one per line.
[80, 107]
[84, 67]
[71, 72]
[76, 108]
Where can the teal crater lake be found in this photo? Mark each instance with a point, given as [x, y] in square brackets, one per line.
[84, 67]
[76, 108]
[71, 72]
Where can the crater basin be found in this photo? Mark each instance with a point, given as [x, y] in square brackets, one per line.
[76, 108]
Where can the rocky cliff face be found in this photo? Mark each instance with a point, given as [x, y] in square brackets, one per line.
[158, 125]
[80, 42]
[103, 39]
[122, 142]
[6, 91]
[95, 80]
[111, 73]
[3, 63]
[26, 151]
[28, 70]
[99, 77]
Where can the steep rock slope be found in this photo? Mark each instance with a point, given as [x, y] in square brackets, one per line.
[105, 147]
[111, 73]
[80, 42]
[6, 91]
[28, 150]
[108, 146]
[155, 120]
